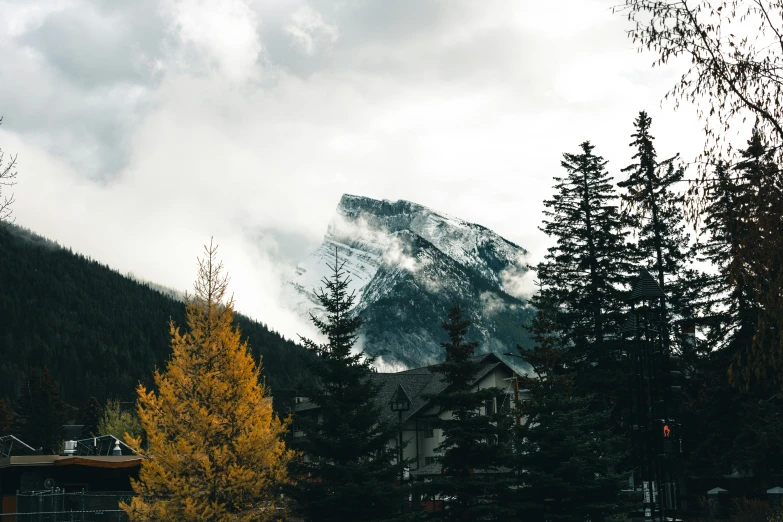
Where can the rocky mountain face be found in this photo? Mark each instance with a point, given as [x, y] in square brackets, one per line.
[408, 265]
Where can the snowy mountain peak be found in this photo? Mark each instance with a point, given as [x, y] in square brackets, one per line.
[374, 222]
[404, 258]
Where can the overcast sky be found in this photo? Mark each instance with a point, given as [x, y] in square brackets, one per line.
[143, 128]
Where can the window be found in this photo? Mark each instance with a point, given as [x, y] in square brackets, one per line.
[429, 430]
[505, 407]
[489, 407]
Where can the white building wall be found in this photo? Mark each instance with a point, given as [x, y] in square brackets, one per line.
[427, 445]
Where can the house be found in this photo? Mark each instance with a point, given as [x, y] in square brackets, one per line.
[420, 437]
[91, 476]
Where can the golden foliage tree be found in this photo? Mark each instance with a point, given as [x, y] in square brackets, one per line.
[215, 447]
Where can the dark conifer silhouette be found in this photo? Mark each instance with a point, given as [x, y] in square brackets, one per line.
[586, 273]
[90, 416]
[475, 450]
[347, 474]
[565, 455]
[655, 212]
[733, 415]
[99, 332]
[40, 413]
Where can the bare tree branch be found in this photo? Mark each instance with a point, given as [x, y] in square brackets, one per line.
[7, 179]
[736, 52]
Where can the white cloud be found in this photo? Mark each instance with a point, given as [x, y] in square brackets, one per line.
[518, 280]
[491, 303]
[309, 30]
[21, 17]
[388, 367]
[223, 34]
[398, 254]
[458, 106]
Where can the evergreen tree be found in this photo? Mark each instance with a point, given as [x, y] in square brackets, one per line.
[99, 332]
[565, 454]
[6, 418]
[41, 412]
[759, 266]
[728, 305]
[215, 448]
[347, 473]
[655, 213]
[474, 453]
[586, 273]
[733, 417]
[91, 416]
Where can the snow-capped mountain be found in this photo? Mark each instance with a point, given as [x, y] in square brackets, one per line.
[407, 266]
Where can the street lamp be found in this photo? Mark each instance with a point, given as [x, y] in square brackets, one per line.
[400, 402]
[516, 382]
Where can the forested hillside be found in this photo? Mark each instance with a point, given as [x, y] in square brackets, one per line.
[98, 332]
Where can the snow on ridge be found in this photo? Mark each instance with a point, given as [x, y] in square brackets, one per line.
[456, 238]
[360, 266]
[368, 233]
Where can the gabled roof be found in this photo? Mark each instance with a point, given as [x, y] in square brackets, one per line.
[418, 383]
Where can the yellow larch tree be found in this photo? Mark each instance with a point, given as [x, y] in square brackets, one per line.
[214, 446]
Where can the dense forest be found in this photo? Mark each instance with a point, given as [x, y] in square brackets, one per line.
[98, 332]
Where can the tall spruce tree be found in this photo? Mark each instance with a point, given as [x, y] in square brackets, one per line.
[734, 418]
[726, 319]
[41, 414]
[586, 273]
[565, 455]
[655, 212]
[728, 306]
[759, 264]
[475, 456]
[347, 473]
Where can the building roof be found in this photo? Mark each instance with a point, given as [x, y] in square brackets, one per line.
[646, 287]
[120, 461]
[418, 384]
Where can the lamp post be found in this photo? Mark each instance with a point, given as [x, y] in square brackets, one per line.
[516, 382]
[400, 402]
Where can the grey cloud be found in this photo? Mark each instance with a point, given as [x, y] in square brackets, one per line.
[451, 104]
[92, 46]
[399, 39]
[288, 246]
[79, 82]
